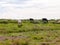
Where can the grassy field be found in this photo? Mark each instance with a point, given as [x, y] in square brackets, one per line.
[29, 33]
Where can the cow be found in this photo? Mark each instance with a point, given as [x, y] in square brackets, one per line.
[19, 23]
[57, 21]
[31, 20]
[44, 20]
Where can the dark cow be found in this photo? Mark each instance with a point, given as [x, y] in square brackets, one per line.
[44, 20]
[31, 20]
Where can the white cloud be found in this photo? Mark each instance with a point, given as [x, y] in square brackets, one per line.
[28, 3]
[30, 8]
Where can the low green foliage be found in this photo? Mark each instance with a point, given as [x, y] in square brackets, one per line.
[29, 33]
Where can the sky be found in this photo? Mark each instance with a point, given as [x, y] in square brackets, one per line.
[25, 9]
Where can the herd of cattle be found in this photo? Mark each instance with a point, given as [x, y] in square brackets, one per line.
[44, 21]
[31, 20]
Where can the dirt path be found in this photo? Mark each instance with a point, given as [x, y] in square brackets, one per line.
[55, 41]
[2, 38]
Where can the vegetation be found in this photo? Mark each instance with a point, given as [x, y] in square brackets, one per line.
[29, 33]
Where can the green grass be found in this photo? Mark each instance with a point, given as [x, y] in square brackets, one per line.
[13, 27]
[32, 34]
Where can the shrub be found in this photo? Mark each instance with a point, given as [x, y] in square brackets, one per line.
[4, 21]
[20, 42]
[44, 44]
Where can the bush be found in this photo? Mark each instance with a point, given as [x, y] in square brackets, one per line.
[20, 42]
[44, 44]
[4, 21]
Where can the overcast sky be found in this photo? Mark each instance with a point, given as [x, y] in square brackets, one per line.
[23, 9]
